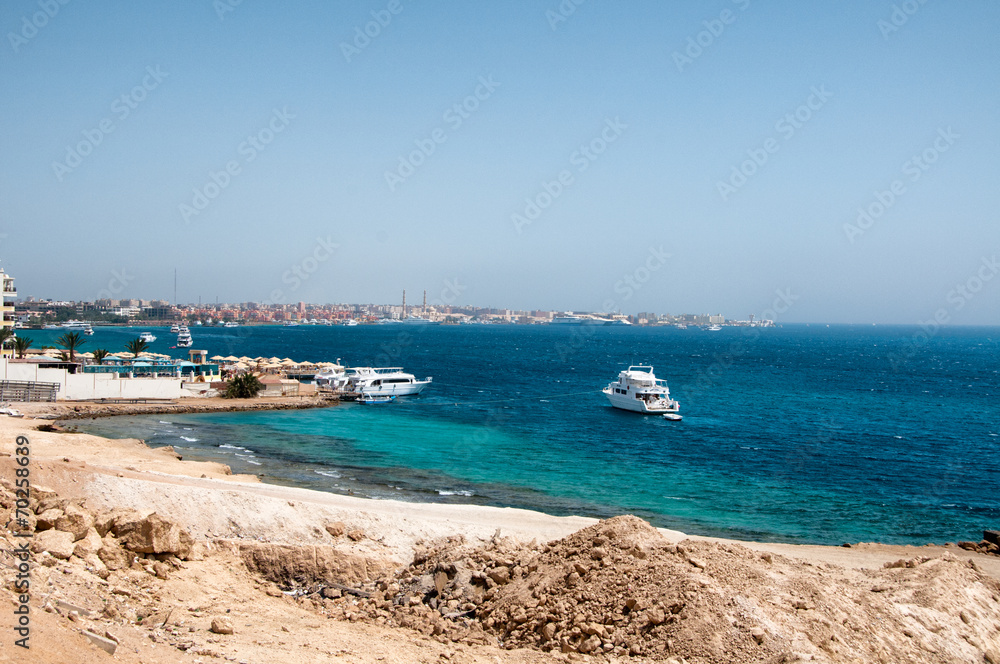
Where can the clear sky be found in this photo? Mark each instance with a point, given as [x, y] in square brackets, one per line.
[645, 156]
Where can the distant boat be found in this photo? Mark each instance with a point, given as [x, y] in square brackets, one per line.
[175, 328]
[230, 323]
[148, 337]
[350, 322]
[290, 323]
[184, 340]
[714, 328]
[70, 326]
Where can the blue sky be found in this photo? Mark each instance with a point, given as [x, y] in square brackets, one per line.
[626, 126]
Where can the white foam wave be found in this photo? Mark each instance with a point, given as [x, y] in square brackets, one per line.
[329, 473]
[445, 492]
[189, 439]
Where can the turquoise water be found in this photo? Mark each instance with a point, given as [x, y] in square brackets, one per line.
[804, 434]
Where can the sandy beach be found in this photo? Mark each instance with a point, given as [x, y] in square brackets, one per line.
[302, 576]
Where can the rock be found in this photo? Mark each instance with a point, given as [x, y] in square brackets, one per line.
[992, 536]
[549, 631]
[992, 656]
[697, 562]
[161, 570]
[90, 544]
[966, 618]
[153, 534]
[968, 546]
[335, 529]
[758, 634]
[105, 521]
[107, 645]
[112, 554]
[440, 582]
[656, 616]
[500, 575]
[590, 645]
[75, 520]
[47, 519]
[356, 535]
[58, 543]
[222, 626]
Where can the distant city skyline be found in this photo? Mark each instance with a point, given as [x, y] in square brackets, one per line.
[536, 155]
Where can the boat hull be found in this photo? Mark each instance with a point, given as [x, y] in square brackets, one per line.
[395, 389]
[630, 403]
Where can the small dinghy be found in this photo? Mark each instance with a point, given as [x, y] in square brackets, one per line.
[673, 417]
[375, 399]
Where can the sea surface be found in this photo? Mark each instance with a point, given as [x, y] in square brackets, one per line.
[809, 434]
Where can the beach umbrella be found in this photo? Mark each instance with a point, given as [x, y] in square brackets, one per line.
[232, 358]
[216, 357]
[289, 363]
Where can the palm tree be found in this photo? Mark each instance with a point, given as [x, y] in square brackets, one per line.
[70, 341]
[21, 345]
[244, 386]
[99, 355]
[6, 334]
[137, 346]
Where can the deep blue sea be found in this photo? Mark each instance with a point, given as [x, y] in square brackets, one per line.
[808, 434]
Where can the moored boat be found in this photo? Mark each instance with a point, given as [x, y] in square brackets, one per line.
[638, 390]
[369, 381]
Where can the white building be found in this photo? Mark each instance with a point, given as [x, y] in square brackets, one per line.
[7, 291]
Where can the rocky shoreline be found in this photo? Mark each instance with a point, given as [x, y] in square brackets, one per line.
[136, 552]
[91, 410]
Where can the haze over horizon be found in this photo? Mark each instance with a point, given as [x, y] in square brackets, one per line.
[695, 157]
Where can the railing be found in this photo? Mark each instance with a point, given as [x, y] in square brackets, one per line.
[18, 390]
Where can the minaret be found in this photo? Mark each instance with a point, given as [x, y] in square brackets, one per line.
[404, 304]
[425, 303]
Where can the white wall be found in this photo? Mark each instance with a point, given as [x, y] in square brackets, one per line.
[95, 386]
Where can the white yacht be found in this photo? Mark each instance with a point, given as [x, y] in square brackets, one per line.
[715, 328]
[350, 322]
[230, 323]
[70, 326]
[148, 337]
[385, 381]
[637, 389]
[175, 328]
[184, 339]
[567, 319]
